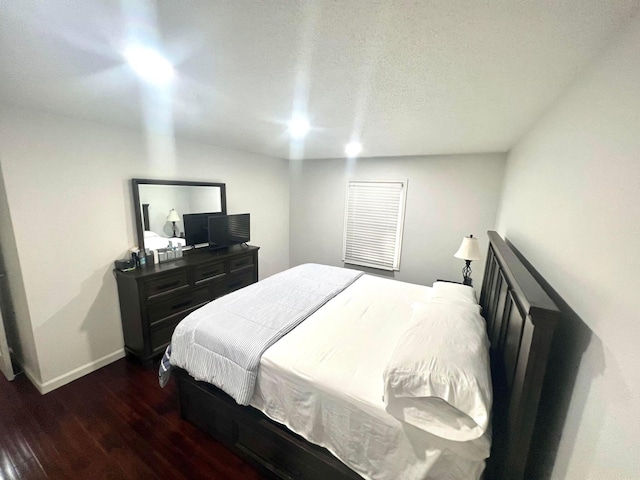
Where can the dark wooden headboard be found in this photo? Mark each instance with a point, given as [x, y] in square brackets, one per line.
[145, 216]
[521, 320]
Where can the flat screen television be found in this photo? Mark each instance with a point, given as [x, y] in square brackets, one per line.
[228, 230]
[196, 228]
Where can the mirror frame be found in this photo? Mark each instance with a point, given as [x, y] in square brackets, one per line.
[137, 207]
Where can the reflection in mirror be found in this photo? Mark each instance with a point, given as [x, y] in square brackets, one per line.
[161, 205]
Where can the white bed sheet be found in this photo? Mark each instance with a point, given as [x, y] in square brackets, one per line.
[324, 381]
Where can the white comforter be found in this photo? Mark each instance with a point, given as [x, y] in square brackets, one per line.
[324, 381]
[222, 343]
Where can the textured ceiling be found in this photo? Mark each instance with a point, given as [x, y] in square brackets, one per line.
[405, 77]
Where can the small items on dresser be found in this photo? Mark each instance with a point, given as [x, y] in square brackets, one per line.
[169, 253]
[136, 259]
[125, 265]
[140, 258]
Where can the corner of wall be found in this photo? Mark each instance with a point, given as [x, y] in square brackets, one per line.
[12, 292]
[60, 381]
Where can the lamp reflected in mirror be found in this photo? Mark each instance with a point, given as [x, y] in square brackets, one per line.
[173, 217]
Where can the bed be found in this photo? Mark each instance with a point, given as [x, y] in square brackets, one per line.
[153, 241]
[315, 410]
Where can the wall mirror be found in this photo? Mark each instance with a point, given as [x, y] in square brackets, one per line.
[160, 207]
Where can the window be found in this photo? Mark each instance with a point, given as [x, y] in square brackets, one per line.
[373, 224]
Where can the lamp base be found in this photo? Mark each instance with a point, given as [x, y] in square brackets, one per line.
[466, 274]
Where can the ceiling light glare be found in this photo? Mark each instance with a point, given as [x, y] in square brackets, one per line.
[149, 64]
[353, 149]
[299, 127]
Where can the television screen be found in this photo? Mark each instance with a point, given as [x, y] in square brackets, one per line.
[227, 230]
[196, 227]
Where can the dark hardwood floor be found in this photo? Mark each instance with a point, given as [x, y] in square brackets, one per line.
[115, 423]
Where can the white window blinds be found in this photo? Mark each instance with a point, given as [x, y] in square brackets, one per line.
[374, 216]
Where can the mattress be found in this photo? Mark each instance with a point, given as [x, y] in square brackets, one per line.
[324, 381]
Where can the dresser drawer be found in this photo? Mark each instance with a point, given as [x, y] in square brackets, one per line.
[233, 282]
[162, 330]
[166, 284]
[240, 263]
[161, 336]
[208, 272]
[176, 304]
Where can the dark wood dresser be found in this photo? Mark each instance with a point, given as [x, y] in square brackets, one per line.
[154, 298]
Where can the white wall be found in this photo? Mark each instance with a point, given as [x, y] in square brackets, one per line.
[447, 197]
[68, 192]
[571, 205]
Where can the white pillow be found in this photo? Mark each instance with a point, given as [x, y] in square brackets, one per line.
[454, 291]
[474, 306]
[438, 378]
[149, 234]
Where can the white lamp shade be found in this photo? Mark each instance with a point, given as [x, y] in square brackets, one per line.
[469, 249]
[173, 216]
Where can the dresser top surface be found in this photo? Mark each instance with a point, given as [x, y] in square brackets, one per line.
[190, 259]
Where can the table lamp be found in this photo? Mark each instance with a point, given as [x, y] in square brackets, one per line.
[469, 250]
[173, 217]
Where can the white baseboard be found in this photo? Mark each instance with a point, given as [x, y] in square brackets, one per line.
[69, 377]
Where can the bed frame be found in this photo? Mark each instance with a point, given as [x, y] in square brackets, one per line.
[521, 319]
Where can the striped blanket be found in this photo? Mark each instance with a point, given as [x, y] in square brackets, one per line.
[222, 342]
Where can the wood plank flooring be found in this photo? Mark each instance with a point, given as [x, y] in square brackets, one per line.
[116, 423]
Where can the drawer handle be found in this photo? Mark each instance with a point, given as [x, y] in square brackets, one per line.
[168, 285]
[212, 272]
[180, 305]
